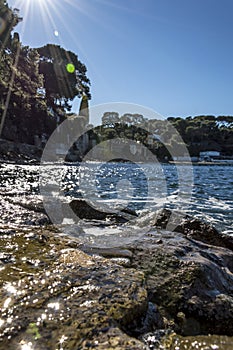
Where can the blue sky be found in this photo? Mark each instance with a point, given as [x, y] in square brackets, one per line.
[174, 56]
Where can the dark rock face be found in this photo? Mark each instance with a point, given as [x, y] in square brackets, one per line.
[19, 152]
[85, 211]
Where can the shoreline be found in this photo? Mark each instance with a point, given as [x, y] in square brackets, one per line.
[25, 154]
[33, 161]
[201, 163]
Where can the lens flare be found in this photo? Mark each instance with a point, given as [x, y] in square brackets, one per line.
[70, 68]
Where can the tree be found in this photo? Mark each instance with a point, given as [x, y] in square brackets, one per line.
[8, 20]
[26, 109]
[64, 76]
[109, 119]
[9, 54]
[31, 100]
[126, 119]
[23, 108]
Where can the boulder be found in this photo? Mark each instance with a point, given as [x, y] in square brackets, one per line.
[192, 228]
[84, 210]
[191, 282]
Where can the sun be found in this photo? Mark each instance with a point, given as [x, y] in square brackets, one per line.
[34, 9]
[47, 21]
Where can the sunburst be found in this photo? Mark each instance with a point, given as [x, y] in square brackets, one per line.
[54, 24]
[31, 9]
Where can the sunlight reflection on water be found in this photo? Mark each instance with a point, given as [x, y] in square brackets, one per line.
[211, 199]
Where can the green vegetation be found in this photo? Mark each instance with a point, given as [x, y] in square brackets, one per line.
[57, 62]
[203, 133]
[200, 133]
[36, 85]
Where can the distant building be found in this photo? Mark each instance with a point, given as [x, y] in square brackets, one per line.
[181, 158]
[209, 155]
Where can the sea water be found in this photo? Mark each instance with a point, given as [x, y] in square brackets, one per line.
[203, 191]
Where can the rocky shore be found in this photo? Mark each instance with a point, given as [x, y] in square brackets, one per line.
[167, 290]
[19, 153]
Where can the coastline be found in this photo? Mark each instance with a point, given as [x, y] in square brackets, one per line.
[21, 153]
[202, 163]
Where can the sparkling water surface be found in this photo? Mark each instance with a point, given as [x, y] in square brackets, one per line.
[203, 191]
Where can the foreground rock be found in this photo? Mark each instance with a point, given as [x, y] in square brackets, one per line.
[192, 228]
[190, 282]
[55, 296]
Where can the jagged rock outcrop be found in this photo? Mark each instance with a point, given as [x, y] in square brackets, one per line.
[191, 282]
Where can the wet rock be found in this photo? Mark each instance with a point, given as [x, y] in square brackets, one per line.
[201, 342]
[66, 298]
[83, 210]
[6, 258]
[192, 228]
[109, 252]
[151, 322]
[22, 211]
[167, 340]
[189, 277]
[54, 295]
